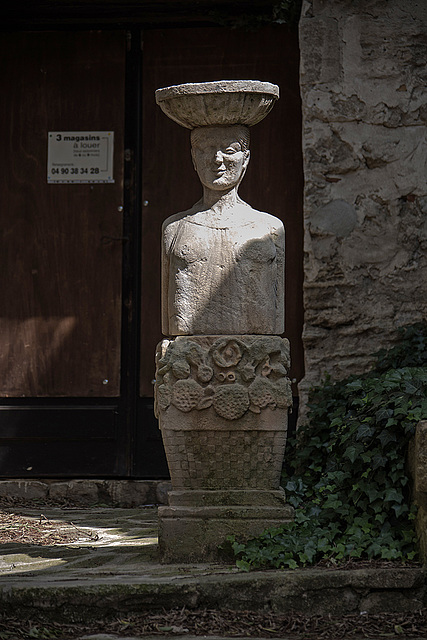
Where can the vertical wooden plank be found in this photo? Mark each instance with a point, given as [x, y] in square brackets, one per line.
[274, 180]
[60, 263]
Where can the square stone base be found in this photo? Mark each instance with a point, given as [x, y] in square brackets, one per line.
[190, 533]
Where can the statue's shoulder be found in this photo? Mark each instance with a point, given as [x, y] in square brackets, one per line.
[264, 219]
[176, 218]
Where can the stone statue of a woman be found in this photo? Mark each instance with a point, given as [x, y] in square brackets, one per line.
[222, 261]
[222, 391]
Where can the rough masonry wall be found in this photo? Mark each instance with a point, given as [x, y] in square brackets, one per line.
[363, 84]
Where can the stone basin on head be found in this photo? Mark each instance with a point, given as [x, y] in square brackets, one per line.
[221, 103]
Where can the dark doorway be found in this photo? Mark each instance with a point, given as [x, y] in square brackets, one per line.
[80, 274]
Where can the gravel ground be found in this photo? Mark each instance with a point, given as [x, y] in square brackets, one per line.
[229, 623]
[20, 529]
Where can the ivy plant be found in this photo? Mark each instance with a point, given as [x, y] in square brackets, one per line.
[346, 474]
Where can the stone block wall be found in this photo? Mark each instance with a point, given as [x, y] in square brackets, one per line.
[364, 96]
[85, 493]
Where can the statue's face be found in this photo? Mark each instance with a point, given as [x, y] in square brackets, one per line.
[218, 157]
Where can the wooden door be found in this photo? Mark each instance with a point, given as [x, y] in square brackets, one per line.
[80, 263]
[61, 258]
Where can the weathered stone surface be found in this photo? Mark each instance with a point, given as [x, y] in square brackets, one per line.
[386, 601]
[195, 525]
[221, 396]
[337, 217]
[23, 489]
[84, 492]
[194, 534]
[222, 403]
[128, 494]
[130, 580]
[230, 497]
[218, 459]
[417, 464]
[120, 493]
[233, 374]
[162, 490]
[222, 261]
[363, 85]
[421, 529]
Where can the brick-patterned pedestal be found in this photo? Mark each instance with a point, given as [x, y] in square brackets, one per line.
[202, 456]
[222, 403]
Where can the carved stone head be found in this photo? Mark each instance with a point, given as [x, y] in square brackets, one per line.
[220, 155]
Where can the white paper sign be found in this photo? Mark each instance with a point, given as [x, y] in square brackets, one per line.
[80, 156]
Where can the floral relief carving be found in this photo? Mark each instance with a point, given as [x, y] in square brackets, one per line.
[231, 374]
[228, 353]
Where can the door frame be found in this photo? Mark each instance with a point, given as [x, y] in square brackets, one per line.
[145, 453]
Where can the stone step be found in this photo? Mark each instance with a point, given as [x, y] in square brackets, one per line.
[312, 591]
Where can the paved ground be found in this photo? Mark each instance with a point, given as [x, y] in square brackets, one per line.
[113, 568]
[119, 544]
[114, 547]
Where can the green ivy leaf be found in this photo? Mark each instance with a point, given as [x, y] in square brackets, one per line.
[386, 437]
[353, 451]
[392, 495]
[347, 476]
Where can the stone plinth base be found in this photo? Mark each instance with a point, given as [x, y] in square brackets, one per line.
[196, 523]
[222, 403]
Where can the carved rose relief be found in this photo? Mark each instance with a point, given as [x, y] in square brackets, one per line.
[227, 353]
[232, 375]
